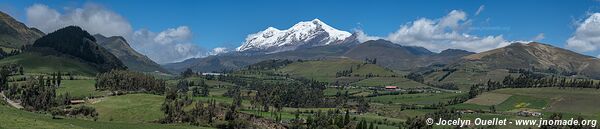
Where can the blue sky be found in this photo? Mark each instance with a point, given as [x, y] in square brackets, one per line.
[223, 23]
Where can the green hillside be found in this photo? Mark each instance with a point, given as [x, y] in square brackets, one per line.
[326, 70]
[36, 62]
[389, 81]
[465, 78]
[18, 119]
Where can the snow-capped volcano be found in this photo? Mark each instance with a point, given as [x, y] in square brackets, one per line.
[303, 34]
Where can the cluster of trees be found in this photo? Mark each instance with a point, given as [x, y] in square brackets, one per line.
[323, 120]
[83, 110]
[364, 125]
[363, 105]
[13, 69]
[529, 81]
[188, 73]
[370, 61]
[36, 94]
[415, 77]
[419, 122]
[4, 74]
[201, 90]
[348, 73]
[203, 113]
[344, 73]
[270, 64]
[302, 93]
[4, 54]
[448, 72]
[118, 81]
[549, 70]
[176, 101]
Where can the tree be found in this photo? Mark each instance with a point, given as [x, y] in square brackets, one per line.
[347, 117]
[493, 108]
[55, 112]
[188, 73]
[124, 81]
[205, 89]
[363, 105]
[21, 70]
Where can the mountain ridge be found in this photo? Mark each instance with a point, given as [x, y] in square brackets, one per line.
[14, 34]
[536, 56]
[74, 41]
[134, 60]
[353, 50]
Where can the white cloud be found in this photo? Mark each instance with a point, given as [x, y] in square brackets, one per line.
[181, 33]
[361, 36]
[170, 45]
[539, 37]
[479, 10]
[453, 20]
[92, 17]
[162, 50]
[444, 33]
[587, 35]
[218, 50]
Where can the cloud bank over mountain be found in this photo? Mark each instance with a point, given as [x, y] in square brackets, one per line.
[170, 45]
[586, 37]
[440, 34]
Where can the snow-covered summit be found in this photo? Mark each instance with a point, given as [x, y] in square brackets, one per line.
[302, 34]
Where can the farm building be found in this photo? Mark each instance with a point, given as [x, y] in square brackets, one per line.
[391, 88]
[528, 113]
[77, 102]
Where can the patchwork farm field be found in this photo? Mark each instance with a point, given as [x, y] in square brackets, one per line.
[389, 81]
[489, 99]
[569, 100]
[425, 98]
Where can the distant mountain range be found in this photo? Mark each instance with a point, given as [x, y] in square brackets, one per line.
[388, 54]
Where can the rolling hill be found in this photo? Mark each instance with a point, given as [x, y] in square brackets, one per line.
[14, 34]
[495, 64]
[70, 49]
[42, 62]
[538, 57]
[77, 42]
[119, 47]
[405, 58]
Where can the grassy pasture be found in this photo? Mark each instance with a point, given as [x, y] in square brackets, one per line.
[489, 99]
[18, 119]
[569, 100]
[79, 88]
[425, 98]
[34, 62]
[130, 108]
[389, 81]
[326, 70]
